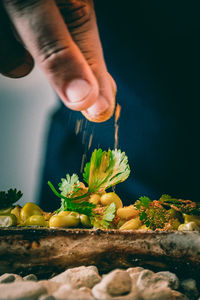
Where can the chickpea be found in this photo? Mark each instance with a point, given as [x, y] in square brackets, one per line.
[189, 226]
[63, 221]
[85, 221]
[108, 198]
[29, 210]
[131, 224]
[35, 220]
[127, 212]
[7, 221]
[94, 199]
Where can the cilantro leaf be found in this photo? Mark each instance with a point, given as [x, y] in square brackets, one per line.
[105, 169]
[109, 213]
[8, 198]
[143, 202]
[103, 220]
[69, 185]
[69, 204]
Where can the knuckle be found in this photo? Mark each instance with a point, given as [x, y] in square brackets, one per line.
[20, 6]
[56, 60]
[76, 14]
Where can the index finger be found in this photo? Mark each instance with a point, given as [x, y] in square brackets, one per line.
[43, 31]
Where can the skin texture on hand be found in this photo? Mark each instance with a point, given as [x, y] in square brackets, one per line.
[62, 38]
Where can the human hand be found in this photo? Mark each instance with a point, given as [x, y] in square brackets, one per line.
[62, 38]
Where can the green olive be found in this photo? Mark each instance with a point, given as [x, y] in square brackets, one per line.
[108, 198]
[85, 221]
[192, 218]
[35, 220]
[189, 226]
[64, 221]
[6, 211]
[29, 210]
[7, 221]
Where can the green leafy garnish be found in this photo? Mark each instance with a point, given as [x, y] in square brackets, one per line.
[109, 213]
[81, 208]
[184, 206]
[69, 185]
[106, 169]
[7, 199]
[103, 221]
[151, 213]
[68, 203]
[143, 202]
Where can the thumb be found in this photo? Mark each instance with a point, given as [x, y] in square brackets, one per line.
[46, 36]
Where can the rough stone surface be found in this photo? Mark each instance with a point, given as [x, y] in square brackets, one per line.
[157, 294]
[37, 246]
[115, 285]
[134, 270]
[30, 277]
[21, 290]
[189, 288]
[171, 277]
[179, 296]
[134, 274]
[50, 286]
[149, 280]
[78, 277]
[75, 284]
[118, 283]
[68, 293]
[9, 277]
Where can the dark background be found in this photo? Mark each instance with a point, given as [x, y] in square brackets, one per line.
[152, 50]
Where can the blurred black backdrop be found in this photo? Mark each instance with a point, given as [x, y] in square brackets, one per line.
[152, 50]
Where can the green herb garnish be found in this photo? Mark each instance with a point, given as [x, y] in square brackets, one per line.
[7, 199]
[103, 221]
[105, 169]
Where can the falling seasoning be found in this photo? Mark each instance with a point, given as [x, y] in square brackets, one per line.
[117, 115]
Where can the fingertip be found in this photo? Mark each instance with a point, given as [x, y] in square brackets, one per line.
[103, 108]
[101, 111]
[19, 68]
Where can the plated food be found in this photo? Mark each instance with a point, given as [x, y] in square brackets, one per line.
[94, 205]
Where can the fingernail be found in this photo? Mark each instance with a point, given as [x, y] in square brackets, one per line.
[98, 107]
[77, 90]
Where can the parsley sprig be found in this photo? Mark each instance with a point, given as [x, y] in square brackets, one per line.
[7, 199]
